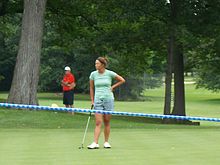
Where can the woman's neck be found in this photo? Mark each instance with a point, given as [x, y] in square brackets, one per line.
[101, 70]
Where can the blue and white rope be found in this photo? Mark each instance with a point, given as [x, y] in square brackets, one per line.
[48, 108]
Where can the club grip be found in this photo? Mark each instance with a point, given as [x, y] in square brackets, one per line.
[92, 106]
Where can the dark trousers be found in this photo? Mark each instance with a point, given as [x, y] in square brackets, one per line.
[68, 97]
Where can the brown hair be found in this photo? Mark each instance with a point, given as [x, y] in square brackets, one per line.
[103, 60]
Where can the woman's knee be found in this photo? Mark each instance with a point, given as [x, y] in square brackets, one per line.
[98, 123]
[106, 122]
[107, 119]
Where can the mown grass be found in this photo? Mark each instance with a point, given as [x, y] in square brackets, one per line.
[52, 138]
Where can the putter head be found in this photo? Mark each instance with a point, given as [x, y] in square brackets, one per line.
[81, 147]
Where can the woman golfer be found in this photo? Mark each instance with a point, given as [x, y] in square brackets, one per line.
[101, 93]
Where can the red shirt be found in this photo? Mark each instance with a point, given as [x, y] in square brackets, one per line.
[68, 78]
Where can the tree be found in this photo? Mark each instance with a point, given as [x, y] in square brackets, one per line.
[26, 72]
[10, 18]
[169, 67]
[89, 29]
[202, 27]
[206, 55]
[177, 59]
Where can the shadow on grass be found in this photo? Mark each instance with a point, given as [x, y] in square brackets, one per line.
[135, 121]
[2, 100]
[59, 96]
[213, 101]
[138, 119]
[12, 118]
[142, 99]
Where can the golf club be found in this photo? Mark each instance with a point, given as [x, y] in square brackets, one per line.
[87, 125]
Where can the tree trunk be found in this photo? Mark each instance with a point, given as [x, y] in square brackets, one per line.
[26, 72]
[168, 79]
[170, 56]
[179, 95]
[3, 4]
[179, 91]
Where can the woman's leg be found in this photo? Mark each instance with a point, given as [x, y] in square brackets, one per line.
[107, 119]
[98, 118]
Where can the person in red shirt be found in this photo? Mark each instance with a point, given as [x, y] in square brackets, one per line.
[68, 84]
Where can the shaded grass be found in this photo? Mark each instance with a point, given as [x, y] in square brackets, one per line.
[10, 118]
[32, 119]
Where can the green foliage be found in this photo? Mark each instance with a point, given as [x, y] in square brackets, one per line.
[84, 38]
[135, 86]
[132, 35]
[1, 78]
[208, 69]
[198, 32]
[9, 36]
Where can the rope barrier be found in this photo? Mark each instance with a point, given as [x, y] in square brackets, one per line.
[36, 107]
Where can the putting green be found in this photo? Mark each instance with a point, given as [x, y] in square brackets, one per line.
[157, 145]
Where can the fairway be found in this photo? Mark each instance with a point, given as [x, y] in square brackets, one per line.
[53, 138]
